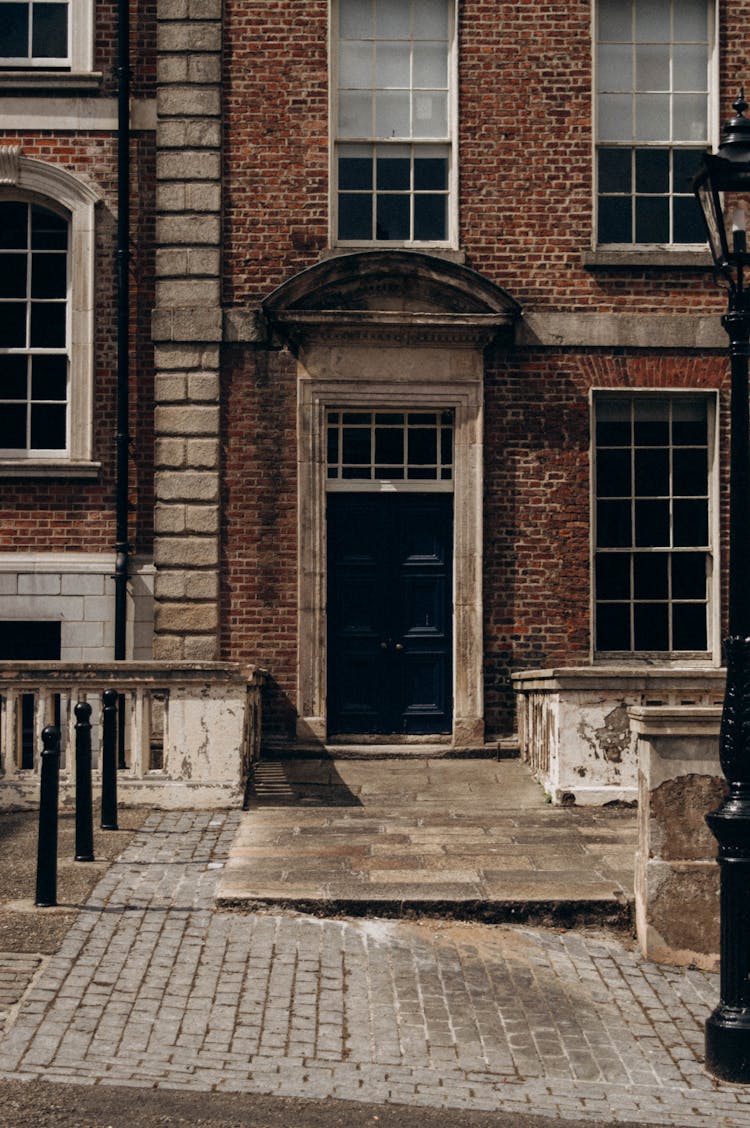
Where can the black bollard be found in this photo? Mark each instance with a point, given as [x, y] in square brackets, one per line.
[84, 815]
[109, 760]
[49, 786]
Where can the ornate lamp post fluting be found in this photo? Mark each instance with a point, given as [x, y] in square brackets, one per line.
[722, 186]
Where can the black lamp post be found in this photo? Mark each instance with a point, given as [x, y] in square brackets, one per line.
[723, 187]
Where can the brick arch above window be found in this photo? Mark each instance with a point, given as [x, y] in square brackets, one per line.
[26, 180]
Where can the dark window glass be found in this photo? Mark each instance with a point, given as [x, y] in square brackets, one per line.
[651, 472]
[690, 522]
[613, 576]
[14, 222]
[356, 446]
[355, 173]
[13, 377]
[613, 524]
[392, 217]
[689, 626]
[652, 429]
[689, 575]
[651, 575]
[613, 432]
[613, 473]
[49, 232]
[686, 163]
[651, 626]
[355, 472]
[393, 172]
[651, 219]
[446, 445]
[389, 419]
[689, 432]
[333, 444]
[422, 446]
[13, 427]
[355, 216]
[47, 325]
[389, 445]
[688, 221]
[49, 38]
[13, 272]
[351, 418]
[14, 31]
[613, 626]
[615, 220]
[13, 325]
[49, 275]
[651, 170]
[423, 473]
[652, 523]
[430, 217]
[690, 472]
[48, 426]
[430, 173]
[49, 377]
[614, 170]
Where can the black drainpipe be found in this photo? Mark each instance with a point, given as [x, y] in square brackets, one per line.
[123, 323]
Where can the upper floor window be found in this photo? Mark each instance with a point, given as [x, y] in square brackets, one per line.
[394, 158]
[653, 68]
[653, 556]
[55, 35]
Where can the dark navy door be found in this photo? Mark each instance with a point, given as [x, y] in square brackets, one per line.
[389, 613]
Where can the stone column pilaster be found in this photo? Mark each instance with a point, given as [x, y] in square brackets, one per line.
[187, 329]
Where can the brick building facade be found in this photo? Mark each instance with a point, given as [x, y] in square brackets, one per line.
[428, 378]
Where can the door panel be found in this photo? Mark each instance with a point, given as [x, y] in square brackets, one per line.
[389, 613]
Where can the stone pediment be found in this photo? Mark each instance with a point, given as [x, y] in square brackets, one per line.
[404, 295]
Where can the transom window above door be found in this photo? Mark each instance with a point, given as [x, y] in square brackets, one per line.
[393, 165]
[395, 446]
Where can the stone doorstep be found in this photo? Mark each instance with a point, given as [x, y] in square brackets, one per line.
[493, 750]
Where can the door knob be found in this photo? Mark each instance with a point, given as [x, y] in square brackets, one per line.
[384, 646]
[399, 646]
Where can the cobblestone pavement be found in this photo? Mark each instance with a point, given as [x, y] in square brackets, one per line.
[154, 987]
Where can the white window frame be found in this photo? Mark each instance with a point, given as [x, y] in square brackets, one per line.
[712, 138]
[33, 181]
[80, 57]
[712, 655]
[451, 142]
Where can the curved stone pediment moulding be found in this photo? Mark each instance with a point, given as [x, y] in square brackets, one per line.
[406, 294]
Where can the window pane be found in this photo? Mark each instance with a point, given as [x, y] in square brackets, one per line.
[615, 67]
[651, 422]
[14, 225]
[47, 325]
[690, 522]
[430, 65]
[652, 67]
[48, 426]
[688, 575]
[430, 172]
[430, 217]
[393, 65]
[13, 325]
[686, 163]
[49, 275]
[430, 117]
[49, 377]
[389, 445]
[393, 172]
[652, 523]
[616, 117]
[50, 31]
[691, 20]
[613, 421]
[651, 170]
[651, 219]
[430, 19]
[422, 445]
[615, 20]
[613, 473]
[651, 575]
[651, 626]
[652, 473]
[613, 626]
[356, 65]
[355, 172]
[652, 117]
[13, 427]
[613, 524]
[356, 445]
[355, 114]
[691, 472]
[391, 19]
[392, 113]
[392, 217]
[689, 626]
[690, 67]
[355, 18]
[13, 280]
[690, 117]
[49, 232]
[688, 222]
[615, 170]
[615, 219]
[613, 575]
[14, 30]
[13, 379]
[652, 21]
[689, 422]
[355, 216]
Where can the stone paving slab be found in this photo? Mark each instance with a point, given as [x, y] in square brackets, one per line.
[475, 836]
[153, 987]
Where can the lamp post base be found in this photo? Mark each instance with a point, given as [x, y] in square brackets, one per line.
[728, 1044]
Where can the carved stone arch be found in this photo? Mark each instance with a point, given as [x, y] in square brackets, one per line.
[395, 330]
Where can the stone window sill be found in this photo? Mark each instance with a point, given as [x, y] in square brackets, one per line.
[636, 258]
[42, 80]
[48, 468]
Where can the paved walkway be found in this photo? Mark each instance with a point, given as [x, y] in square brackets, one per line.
[155, 987]
[473, 839]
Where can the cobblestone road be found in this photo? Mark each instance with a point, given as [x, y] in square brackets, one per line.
[153, 987]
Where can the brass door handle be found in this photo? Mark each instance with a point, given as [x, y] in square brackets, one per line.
[399, 646]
